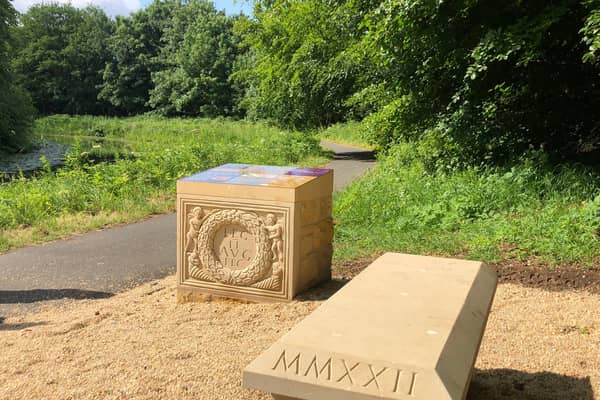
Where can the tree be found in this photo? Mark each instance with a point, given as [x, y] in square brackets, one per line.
[591, 32]
[135, 46]
[16, 111]
[87, 53]
[197, 61]
[60, 57]
[485, 81]
[479, 80]
[305, 67]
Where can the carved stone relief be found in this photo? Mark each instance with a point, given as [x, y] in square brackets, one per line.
[236, 247]
[348, 373]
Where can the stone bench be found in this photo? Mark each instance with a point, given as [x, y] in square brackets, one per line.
[407, 327]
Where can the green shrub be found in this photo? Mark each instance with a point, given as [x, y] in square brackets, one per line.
[492, 79]
[16, 120]
[530, 210]
[487, 80]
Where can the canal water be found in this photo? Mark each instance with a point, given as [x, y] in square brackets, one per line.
[13, 164]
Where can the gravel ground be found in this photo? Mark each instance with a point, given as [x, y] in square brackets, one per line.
[140, 344]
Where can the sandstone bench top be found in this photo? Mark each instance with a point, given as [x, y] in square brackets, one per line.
[407, 327]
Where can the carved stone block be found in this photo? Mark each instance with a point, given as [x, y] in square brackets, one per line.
[407, 327]
[253, 232]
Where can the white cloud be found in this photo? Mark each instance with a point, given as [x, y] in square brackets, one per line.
[110, 7]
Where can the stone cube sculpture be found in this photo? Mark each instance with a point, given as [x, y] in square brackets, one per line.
[253, 232]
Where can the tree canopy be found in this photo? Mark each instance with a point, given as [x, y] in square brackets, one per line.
[196, 61]
[61, 54]
[479, 80]
[16, 111]
[305, 68]
[135, 46]
[173, 57]
[476, 81]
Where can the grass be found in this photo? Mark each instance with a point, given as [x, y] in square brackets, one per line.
[347, 133]
[149, 154]
[531, 212]
[137, 136]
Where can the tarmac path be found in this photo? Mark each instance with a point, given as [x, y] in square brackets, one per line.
[101, 263]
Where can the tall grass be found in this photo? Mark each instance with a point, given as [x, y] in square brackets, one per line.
[159, 151]
[350, 133]
[532, 211]
[222, 138]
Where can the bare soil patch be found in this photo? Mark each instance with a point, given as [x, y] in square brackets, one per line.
[562, 277]
[140, 344]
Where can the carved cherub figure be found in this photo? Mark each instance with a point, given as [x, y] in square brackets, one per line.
[195, 221]
[275, 231]
[277, 270]
[193, 260]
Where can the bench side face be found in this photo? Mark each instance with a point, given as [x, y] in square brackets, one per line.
[396, 331]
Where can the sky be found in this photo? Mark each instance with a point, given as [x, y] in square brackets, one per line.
[124, 7]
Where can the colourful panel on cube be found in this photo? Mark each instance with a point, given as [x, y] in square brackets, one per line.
[257, 175]
[308, 171]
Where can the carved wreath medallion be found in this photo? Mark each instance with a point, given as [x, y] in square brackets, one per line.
[264, 269]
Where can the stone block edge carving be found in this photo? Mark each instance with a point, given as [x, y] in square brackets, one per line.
[267, 226]
[335, 374]
[345, 371]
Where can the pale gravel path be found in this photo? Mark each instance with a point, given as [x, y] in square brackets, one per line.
[140, 344]
[98, 264]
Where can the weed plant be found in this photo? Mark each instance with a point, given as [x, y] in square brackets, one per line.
[531, 212]
[85, 195]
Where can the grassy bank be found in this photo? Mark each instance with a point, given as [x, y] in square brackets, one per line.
[348, 133]
[532, 212]
[149, 154]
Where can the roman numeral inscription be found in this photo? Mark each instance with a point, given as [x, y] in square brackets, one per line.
[340, 371]
[314, 367]
[374, 376]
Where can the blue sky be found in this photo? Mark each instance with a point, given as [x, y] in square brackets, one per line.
[124, 7]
